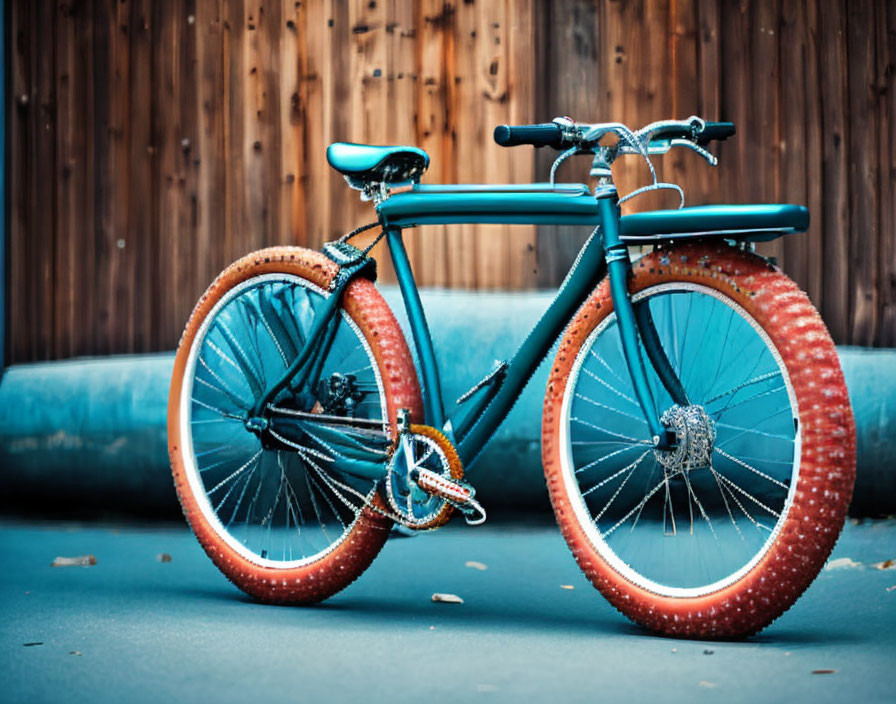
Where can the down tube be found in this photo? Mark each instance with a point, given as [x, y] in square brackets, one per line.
[589, 269]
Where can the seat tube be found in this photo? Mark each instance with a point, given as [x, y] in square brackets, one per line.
[619, 269]
[432, 390]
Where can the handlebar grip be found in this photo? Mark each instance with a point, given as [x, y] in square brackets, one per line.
[715, 130]
[545, 135]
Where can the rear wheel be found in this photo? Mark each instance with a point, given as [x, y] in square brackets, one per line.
[283, 525]
[721, 535]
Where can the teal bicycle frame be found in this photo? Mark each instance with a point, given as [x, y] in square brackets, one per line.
[471, 427]
[472, 423]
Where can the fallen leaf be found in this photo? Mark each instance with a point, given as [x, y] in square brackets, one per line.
[481, 566]
[163, 557]
[708, 685]
[29, 645]
[566, 586]
[447, 598]
[885, 565]
[823, 672]
[842, 563]
[79, 561]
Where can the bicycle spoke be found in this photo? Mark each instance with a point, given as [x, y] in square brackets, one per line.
[235, 474]
[746, 494]
[214, 409]
[776, 436]
[327, 500]
[610, 432]
[610, 408]
[605, 365]
[667, 504]
[640, 510]
[631, 469]
[254, 376]
[230, 490]
[751, 468]
[614, 475]
[687, 482]
[721, 356]
[212, 451]
[715, 477]
[622, 520]
[604, 458]
[733, 496]
[213, 420]
[224, 388]
[615, 391]
[320, 520]
[239, 501]
[765, 419]
[743, 385]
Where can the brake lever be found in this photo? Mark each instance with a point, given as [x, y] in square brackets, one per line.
[678, 142]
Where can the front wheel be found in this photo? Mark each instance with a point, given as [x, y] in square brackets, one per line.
[719, 536]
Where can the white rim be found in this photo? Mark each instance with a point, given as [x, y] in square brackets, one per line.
[186, 410]
[571, 485]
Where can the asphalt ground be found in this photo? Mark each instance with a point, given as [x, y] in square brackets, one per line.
[133, 628]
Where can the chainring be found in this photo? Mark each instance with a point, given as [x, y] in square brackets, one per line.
[422, 447]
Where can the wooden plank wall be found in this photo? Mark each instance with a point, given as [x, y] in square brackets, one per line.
[152, 143]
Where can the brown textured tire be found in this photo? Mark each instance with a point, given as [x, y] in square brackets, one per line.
[362, 541]
[808, 530]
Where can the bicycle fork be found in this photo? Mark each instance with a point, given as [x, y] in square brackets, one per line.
[636, 324]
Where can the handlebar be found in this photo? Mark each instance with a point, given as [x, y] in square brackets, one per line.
[718, 131]
[545, 135]
[581, 138]
[691, 130]
[563, 133]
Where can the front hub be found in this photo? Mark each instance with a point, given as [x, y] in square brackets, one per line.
[695, 435]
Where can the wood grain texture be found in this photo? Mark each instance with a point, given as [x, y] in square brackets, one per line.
[153, 143]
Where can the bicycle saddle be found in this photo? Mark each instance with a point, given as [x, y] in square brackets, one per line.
[369, 163]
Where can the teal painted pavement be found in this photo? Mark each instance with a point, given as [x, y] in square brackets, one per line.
[134, 629]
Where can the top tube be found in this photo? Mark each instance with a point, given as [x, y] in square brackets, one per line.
[512, 204]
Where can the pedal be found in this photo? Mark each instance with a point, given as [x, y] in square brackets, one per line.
[458, 493]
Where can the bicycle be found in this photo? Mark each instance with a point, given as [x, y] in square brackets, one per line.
[698, 441]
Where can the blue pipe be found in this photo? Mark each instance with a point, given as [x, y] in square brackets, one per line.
[3, 181]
